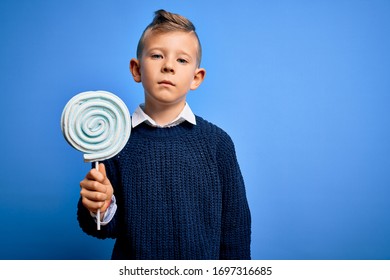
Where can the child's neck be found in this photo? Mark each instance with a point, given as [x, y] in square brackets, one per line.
[163, 114]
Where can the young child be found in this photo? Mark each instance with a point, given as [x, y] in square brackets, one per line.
[175, 191]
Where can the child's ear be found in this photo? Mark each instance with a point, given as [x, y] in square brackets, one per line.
[200, 74]
[135, 70]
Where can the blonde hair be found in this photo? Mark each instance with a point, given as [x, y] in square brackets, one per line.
[163, 22]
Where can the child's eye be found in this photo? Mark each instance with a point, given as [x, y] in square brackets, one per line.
[156, 56]
[182, 60]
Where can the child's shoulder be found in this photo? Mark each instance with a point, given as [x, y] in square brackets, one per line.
[207, 125]
[210, 129]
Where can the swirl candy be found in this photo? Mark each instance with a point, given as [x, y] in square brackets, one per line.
[98, 124]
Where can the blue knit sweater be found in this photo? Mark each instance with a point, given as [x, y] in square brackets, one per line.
[180, 195]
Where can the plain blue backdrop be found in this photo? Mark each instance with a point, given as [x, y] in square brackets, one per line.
[302, 87]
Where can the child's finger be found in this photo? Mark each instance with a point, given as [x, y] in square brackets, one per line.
[92, 205]
[93, 195]
[102, 169]
[95, 175]
[91, 185]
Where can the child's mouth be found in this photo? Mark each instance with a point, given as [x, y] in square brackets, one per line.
[166, 82]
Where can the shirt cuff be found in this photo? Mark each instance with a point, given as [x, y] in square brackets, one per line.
[109, 214]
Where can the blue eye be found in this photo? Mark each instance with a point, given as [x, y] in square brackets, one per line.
[156, 56]
[182, 61]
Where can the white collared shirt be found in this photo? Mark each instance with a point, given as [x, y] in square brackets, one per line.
[139, 116]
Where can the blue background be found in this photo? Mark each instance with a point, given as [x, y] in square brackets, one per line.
[302, 87]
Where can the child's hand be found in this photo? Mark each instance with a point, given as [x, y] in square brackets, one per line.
[96, 190]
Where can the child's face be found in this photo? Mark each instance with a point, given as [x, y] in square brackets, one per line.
[168, 67]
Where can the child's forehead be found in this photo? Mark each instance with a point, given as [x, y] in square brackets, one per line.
[171, 39]
[152, 36]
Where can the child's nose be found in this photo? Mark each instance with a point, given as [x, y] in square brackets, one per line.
[168, 67]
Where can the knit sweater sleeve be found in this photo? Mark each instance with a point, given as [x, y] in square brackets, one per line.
[88, 224]
[236, 218]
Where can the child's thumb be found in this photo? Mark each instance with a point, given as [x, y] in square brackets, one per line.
[106, 181]
[102, 169]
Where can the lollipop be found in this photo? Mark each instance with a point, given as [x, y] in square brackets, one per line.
[98, 124]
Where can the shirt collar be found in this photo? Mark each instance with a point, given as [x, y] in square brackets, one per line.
[139, 116]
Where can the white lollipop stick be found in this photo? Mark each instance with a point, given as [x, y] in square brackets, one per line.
[98, 124]
[98, 211]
